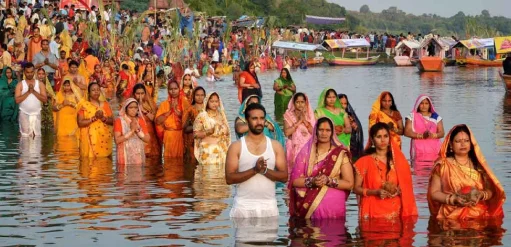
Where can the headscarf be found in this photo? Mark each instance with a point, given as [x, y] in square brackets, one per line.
[321, 102]
[499, 196]
[147, 102]
[414, 112]
[357, 137]
[3, 80]
[126, 103]
[182, 84]
[290, 112]
[277, 135]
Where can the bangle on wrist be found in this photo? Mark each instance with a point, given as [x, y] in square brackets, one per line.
[265, 171]
[309, 182]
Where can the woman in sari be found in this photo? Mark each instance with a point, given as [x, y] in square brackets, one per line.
[330, 106]
[322, 176]
[65, 111]
[130, 133]
[125, 82]
[212, 133]
[271, 128]
[95, 122]
[357, 133]
[47, 109]
[109, 73]
[425, 127]
[462, 186]
[148, 112]
[169, 118]
[385, 111]
[383, 180]
[191, 114]
[187, 87]
[284, 89]
[298, 125]
[249, 83]
[8, 107]
[149, 80]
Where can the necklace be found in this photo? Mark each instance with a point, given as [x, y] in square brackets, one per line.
[383, 175]
[467, 164]
[317, 153]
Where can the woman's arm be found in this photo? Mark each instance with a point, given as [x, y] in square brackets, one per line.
[276, 86]
[346, 182]
[289, 129]
[240, 127]
[84, 122]
[440, 132]
[408, 130]
[400, 127]
[347, 124]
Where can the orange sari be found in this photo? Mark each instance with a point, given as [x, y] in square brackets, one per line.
[454, 177]
[153, 148]
[190, 115]
[34, 47]
[172, 128]
[374, 174]
[378, 116]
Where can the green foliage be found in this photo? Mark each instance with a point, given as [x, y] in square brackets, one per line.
[396, 21]
[364, 9]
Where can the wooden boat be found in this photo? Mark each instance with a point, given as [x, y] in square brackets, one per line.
[434, 61]
[315, 60]
[352, 44]
[353, 61]
[507, 81]
[474, 61]
[430, 64]
[449, 62]
[407, 51]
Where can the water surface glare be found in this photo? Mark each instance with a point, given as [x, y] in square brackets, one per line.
[49, 197]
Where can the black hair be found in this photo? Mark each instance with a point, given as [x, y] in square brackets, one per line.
[66, 81]
[471, 154]
[329, 91]
[299, 94]
[322, 120]
[73, 62]
[194, 91]
[288, 77]
[137, 87]
[254, 106]
[213, 94]
[28, 65]
[372, 133]
[90, 86]
[419, 106]
[393, 106]
[125, 66]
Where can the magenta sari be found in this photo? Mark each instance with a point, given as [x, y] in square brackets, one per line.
[424, 150]
[296, 141]
[324, 202]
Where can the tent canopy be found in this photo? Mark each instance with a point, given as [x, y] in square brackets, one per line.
[323, 20]
[347, 43]
[297, 46]
[476, 43]
[412, 44]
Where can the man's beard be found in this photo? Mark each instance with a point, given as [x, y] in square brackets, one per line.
[257, 130]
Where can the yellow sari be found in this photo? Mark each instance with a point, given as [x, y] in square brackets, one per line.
[454, 178]
[65, 118]
[95, 139]
[378, 116]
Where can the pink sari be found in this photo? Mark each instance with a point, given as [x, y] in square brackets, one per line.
[324, 202]
[296, 141]
[424, 150]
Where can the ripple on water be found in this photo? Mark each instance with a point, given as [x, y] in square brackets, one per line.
[47, 196]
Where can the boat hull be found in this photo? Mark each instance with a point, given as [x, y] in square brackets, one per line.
[479, 62]
[430, 64]
[338, 61]
[315, 61]
[403, 61]
[507, 81]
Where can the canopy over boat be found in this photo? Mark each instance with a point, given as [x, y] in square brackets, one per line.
[476, 43]
[323, 20]
[447, 42]
[297, 46]
[347, 43]
[412, 44]
[503, 44]
[245, 21]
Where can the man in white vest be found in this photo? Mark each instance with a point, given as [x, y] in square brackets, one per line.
[30, 95]
[254, 164]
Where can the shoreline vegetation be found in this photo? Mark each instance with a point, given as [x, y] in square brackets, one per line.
[391, 20]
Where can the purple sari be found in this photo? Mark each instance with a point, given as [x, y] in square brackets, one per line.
[324, 202]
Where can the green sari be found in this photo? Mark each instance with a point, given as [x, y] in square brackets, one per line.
[8, 108]
[282, 100]
[338, 120]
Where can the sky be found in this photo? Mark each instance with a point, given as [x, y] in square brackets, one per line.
[444, 8]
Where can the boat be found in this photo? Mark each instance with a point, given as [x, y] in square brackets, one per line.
[303, 47]
[507, 81]
[315, 61]
[431, 62]
[477, 61]
[477, 52]
[349, 44]
[406, 50]
[353, 61]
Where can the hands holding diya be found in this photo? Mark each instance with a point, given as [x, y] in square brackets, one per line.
[467, 197]
[389, 190]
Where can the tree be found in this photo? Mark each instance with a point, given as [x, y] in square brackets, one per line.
[364, 9]
[234, 11]
[485, 13]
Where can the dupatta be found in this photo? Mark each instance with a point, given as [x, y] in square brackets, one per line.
[131, 151]
[357, 136]
[303, 201]
[338, 120]
[453, 180]
[296, 141]
[277, 134]
[378, 116]
[424, 149]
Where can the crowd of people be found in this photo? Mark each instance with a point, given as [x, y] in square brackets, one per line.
[319, 152]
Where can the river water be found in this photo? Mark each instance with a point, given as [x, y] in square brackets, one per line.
[49, 197]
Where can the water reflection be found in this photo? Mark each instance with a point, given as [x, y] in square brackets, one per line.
[387, 232]
[255, 231]
[465, 233]
[318, 232]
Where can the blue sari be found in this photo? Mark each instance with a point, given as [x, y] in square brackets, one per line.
[277, 134]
